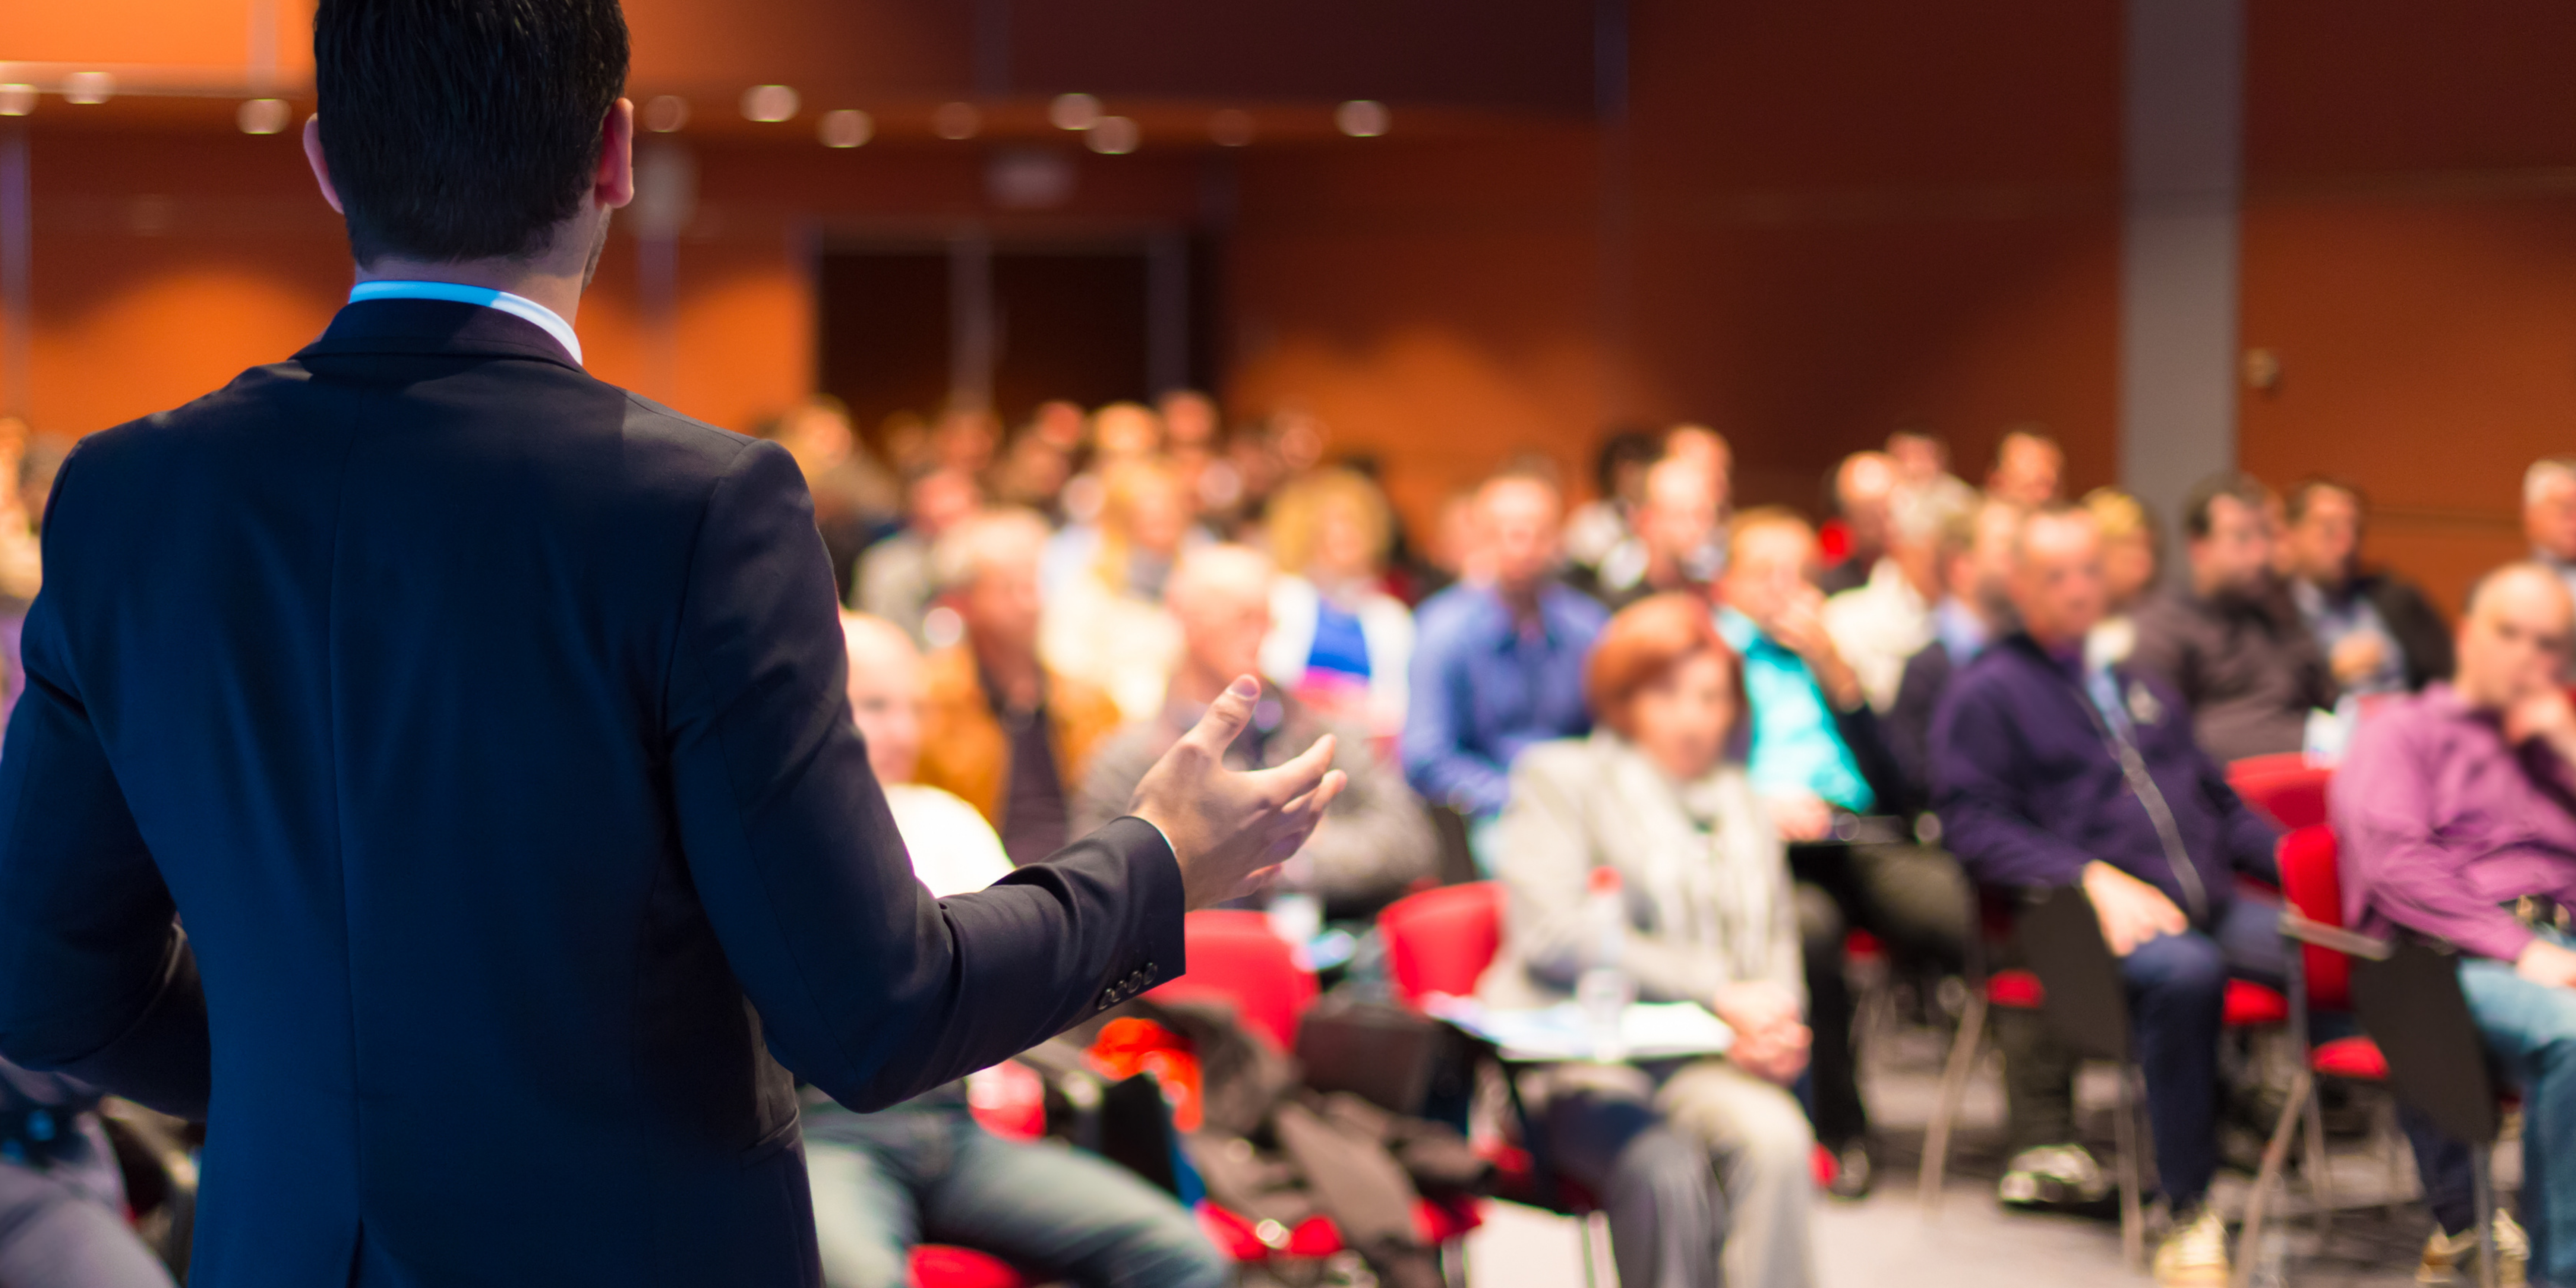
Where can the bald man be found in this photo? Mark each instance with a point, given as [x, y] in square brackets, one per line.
[1675, 537]
[1865, 486]
[2456, 809]
[1377, 840]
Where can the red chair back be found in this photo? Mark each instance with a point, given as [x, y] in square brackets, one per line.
[2285, 788]
[2313, 884]
[1441, 940]
[1235, 958]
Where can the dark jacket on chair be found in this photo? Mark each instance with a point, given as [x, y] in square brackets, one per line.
[486, 725]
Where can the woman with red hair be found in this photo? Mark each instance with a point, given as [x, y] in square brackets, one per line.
[1700, 1164]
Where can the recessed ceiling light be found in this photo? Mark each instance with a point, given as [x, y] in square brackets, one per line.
[666, 113]
[262, 115]
[1113, 136]
[17, 100]
[847, 128]
[1074, 111]
[1361, 118]
[89, 87]
[769, 103]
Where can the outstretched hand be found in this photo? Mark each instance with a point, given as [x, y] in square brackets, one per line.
[1227, 825]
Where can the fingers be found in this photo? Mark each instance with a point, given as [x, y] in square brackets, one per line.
[1225, 717]
[1292, 779]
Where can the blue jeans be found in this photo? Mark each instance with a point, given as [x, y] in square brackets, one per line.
[925, 1172]
[2530, 1030]
[2177, 999]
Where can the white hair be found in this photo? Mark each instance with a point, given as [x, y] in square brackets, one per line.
[2543, 472]
[1209, 567]
[984, 539]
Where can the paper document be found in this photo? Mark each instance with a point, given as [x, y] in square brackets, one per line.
[1650, 1030]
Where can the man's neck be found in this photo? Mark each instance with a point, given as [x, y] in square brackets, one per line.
[543, 280]
[1521, 600]
[1015, 672]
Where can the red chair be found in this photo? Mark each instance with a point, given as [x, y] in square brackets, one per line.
[1234, 958]
[2284, 788]
[1441, 940]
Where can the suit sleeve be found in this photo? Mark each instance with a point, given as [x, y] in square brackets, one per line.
[96, 980]
[867, 986]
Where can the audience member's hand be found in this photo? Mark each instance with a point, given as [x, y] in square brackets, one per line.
[2542, 714]
[2543, 962]
[1800, 628]
[1771, 1040]
[2131, 911]
[1801, 816]
[1226, 825]
[2357, 656]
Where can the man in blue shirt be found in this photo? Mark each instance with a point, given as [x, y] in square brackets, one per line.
[1837, 796]
[1498, 662]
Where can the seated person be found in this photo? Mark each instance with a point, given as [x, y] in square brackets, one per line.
[1375, 842]
[2028, 753]
[1701, 1165]
[1498, 664]
[1337, 638]
[2229, 640]
[1001, 731]
[62, 1198]
[1104, 624]
[894, 579]
[2456, 809]
[1830, 786]
[2379, 633]
[1865, 487]
[1882, 623]
[1674, 542]
[2549, 515]
[925, 1171]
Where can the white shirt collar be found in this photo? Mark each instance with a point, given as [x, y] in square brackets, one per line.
[518, 306]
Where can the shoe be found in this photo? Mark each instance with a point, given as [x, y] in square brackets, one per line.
[1855, 1171]
[2054, 1178]
[2194, 1254]
[2453, 1258]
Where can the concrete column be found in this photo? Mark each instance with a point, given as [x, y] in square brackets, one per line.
[2183, 161]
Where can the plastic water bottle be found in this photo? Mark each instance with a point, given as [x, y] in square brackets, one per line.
[1604, 989]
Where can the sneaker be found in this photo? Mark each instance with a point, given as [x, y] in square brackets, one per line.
[1855, 1171]
[2194, 1254]
[2054, 1178]
[2453, 1258]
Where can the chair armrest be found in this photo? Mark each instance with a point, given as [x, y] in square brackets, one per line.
[2350, 943]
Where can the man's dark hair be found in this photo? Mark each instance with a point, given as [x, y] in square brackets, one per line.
[2295, 501]
[2232, 483]
[1625, 446]
[463, 129]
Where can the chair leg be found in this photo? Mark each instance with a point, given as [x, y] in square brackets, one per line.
[2276, 1158]
[1961, 1066]
[2133, 1220]
[1595, 1230]
[2320, 1174]
[2483, 1177]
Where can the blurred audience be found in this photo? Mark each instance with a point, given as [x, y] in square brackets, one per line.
[2131, 557]
[1375, 841]
[855, 500]
[2028, 465]
[2379, 633]
[1923, 465]
[1337, 640]
[2051, 772]
[62, 1196]
[1701, 1165]
[2549, 515]
[2228, 640]
[1599, 525]
[1864, 493]
[1887, 619]
[894, 579]
[1498, 659]
[1833, 791]
[1105, 624]
[925, 1170]
[1674, 540]
[2456, 811]
[1973, 551]
[999, 730]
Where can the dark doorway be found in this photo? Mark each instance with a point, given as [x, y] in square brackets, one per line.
[906, 325]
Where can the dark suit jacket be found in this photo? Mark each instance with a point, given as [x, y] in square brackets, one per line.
[2421, 633]
[1908, 722]
[485, 725]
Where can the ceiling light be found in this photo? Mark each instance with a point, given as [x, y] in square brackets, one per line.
[1361, 118]
[770, 103]
[1231, 128]
[847, 128]
[666, 113]
[17, 100]
[1113, 136]
[89, 87]
[262, 115]
[956, 121]
[1074, 111]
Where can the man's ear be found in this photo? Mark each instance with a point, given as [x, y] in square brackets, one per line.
[615, 184]
[321, 167]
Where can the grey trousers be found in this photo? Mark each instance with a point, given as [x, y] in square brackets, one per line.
[1704, 1172]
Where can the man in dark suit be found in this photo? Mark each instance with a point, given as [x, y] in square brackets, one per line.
[485, 725]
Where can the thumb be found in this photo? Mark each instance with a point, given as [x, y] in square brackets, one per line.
[1225, 717]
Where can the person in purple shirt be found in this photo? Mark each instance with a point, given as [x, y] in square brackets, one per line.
[1498, 664]
[2051, 771]
[2456, 814]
